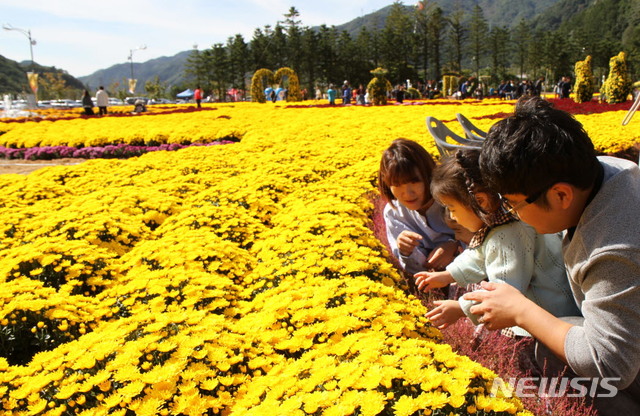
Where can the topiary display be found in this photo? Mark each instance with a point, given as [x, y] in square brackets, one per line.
[261, 78]
[293, 89]
[584, 86]
[449, 84]
[413, 93]
[618, 84]
[379, 86]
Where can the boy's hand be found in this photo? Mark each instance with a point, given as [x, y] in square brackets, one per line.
[407, 241]
[445, 313]
[426, 281]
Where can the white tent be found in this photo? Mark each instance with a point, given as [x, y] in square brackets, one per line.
[188, 93]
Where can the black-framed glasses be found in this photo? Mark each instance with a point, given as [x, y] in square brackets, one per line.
[513, 209]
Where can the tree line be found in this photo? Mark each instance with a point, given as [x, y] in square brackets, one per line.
[414, 43]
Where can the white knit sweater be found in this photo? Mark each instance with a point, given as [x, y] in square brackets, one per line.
[514, 253]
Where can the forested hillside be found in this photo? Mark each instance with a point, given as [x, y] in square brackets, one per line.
[601, 27]
[169, 69]
[496, 12]
[54, 83]
[12, 77]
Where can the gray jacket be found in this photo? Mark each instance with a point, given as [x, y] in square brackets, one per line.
[603, 263]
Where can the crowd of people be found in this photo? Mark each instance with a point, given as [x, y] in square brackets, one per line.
[349, 95]
[508, 90]
[550, 252]
[431, 89]
[359, 95]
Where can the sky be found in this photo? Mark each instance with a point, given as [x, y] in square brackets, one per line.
[83, 36]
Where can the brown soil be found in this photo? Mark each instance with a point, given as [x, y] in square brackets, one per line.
[27, 166]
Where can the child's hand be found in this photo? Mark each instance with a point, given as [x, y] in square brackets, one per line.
[441, 256]
[407, 241]
[446, 313]
[426, 281]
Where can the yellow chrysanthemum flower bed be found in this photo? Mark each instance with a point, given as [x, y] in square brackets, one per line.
[220, 121]
[236, 279]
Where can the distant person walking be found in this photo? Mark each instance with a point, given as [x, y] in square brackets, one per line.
[102, 100]
[87, 103]
[566, 88]
[197, 95]
[331, 94]
[346, 93]
[538, 86]
[400, 94]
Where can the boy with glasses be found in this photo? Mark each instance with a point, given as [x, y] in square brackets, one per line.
[544, 165]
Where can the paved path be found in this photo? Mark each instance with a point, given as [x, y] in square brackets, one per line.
[27, 166]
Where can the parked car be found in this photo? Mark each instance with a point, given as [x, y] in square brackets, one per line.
[160, 101]
[65, 104]
[133, 100]
[115, 101]
[19, 104]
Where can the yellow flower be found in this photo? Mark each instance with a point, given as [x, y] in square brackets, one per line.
[228, 279]
[373, 403]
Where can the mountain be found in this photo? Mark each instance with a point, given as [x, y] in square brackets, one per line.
[169, 69]
[497, 12]
[506, 12]
[560, 12]
[618, 19]
[13, 78]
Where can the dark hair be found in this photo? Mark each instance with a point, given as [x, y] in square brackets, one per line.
[459, 177]
[537, 147]
[403, 162]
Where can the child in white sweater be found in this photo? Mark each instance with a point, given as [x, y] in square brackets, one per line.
[502, 248]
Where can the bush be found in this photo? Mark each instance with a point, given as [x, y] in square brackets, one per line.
[584, 81]
[618, 84]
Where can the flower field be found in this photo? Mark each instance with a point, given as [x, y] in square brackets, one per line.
[240, 279]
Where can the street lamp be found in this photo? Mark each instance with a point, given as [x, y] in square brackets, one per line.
[131, 51]
[32, 76]
[27, 33]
